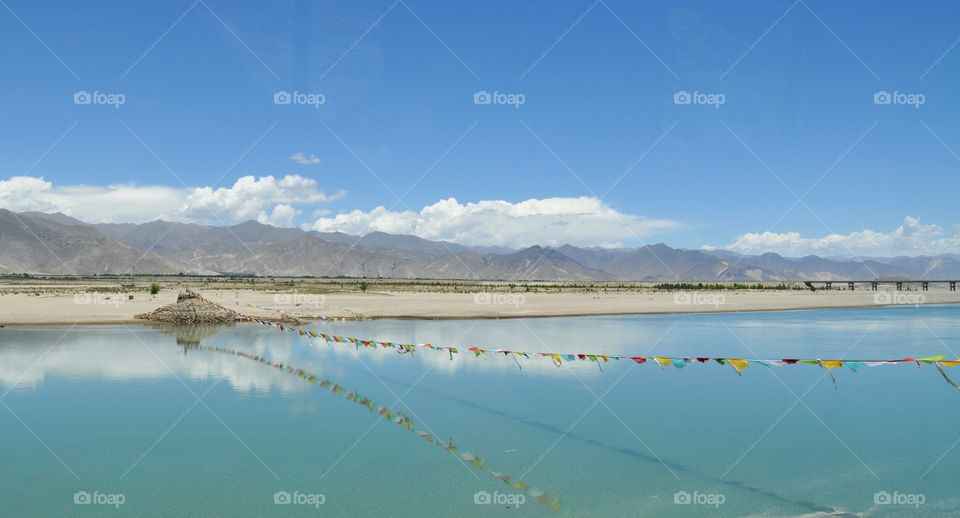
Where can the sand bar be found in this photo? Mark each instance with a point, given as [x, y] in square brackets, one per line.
[41, 307]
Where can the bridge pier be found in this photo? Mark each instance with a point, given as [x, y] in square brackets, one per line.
[873, 285]
[953, 285]
[850, 286]
[925, 285]
[829, 285]
[899, 286]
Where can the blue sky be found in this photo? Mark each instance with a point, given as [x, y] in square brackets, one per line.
[597, 80]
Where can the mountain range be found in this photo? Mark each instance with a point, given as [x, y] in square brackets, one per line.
[56, 244]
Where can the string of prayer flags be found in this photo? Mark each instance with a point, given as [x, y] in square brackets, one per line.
[739, 365]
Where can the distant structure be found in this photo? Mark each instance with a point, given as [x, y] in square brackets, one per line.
[191, 308]
[874, 285]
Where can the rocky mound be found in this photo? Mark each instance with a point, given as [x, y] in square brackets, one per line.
[191, 308]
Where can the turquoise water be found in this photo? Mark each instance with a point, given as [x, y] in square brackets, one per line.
[113, 410]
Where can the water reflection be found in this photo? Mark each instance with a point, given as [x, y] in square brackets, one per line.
[27, 355]
[122, 353]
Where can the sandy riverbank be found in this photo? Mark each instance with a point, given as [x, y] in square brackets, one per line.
[95, 308]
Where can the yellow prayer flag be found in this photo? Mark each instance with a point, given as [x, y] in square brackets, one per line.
[738, 365]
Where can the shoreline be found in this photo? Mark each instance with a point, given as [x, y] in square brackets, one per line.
[21, 310]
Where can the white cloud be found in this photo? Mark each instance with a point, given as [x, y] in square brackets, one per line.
[583, 221]
[304, 159]
[266, 199]
[249, 196]
[282, 216]
[114, 203]
[911, 238]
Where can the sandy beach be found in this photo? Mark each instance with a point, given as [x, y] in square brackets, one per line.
[45, 307]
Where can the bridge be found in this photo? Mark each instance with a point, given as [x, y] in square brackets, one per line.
[874, 285]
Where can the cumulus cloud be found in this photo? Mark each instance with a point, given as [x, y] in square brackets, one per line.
[304, 159]
[911, 238]
[282, 216]
[249, 196]
[267, 199]
[583, 221]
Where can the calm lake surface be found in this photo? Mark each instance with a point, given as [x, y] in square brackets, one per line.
[113, 411]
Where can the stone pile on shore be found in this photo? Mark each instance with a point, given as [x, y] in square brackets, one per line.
[191, 308]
